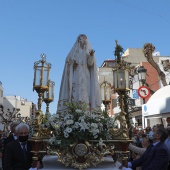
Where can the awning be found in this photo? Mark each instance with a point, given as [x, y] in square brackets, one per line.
[158, 103]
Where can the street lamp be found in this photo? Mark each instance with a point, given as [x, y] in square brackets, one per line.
[142, 77]
[49, 95]
[105, 88]
[142, 74]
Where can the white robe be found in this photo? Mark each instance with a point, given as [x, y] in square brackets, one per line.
[80, 78]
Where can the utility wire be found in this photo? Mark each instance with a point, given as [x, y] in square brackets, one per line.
[144, 10]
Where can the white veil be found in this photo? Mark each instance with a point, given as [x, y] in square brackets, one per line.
[66, 89]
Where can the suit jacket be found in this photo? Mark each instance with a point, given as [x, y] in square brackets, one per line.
[155, 158]
[14, 157]
[8, 139]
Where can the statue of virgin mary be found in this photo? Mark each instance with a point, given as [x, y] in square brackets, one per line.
[80, 77]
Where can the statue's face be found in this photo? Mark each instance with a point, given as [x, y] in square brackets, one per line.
[82, 40]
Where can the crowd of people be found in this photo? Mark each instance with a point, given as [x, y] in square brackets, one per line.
[150, 148]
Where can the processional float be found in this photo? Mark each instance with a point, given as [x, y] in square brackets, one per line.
[83, 152]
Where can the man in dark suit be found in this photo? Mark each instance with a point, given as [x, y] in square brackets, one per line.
[10, 138]
[156, 156]
[17, 153]
[12, 135]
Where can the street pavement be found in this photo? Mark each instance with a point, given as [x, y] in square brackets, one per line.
[51, 162]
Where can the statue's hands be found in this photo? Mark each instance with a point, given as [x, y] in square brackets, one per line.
[91, 52]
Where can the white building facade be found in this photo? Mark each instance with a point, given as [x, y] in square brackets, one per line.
[21, 105]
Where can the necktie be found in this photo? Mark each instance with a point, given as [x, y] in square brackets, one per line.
[24, 150]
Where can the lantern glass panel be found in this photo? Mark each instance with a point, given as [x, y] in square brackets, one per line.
[45, 77]
[127, 78]
[38, 76]
[115, 79]
[102, 92]
[121, 79]
[142, 76]
[46, 95]
[51, 90]
[107, 93]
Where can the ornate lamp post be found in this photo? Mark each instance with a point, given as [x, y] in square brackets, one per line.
[121, 72]
[49, 95]
[105, 88]
[40, 84]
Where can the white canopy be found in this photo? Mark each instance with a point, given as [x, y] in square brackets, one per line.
[158, 103]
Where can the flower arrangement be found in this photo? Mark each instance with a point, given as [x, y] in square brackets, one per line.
[78, 124]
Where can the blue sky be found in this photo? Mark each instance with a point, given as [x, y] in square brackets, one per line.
[29, 28]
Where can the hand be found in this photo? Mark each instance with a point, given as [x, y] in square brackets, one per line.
[92, 52]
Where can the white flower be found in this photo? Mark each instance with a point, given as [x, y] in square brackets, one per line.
[68, 130]
[78, 111]
[52, 140]
[69, 122]
[81, 118]
[66, 135]
[68, 116]
[97, 119]
[76, 125]
[95, 131]
[87, 113]
[93, 116]
[83, 125]
[94, 125]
